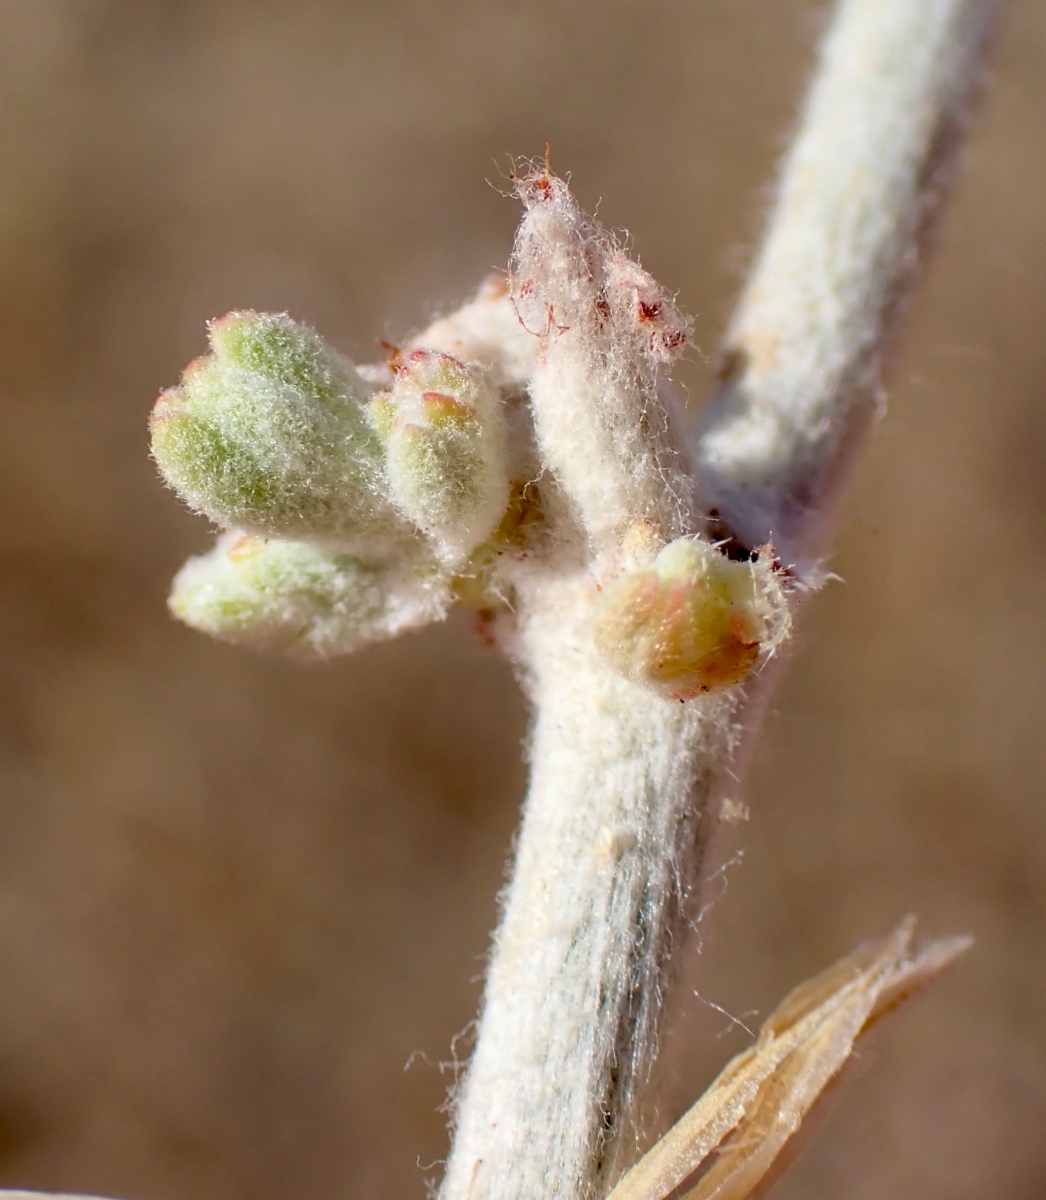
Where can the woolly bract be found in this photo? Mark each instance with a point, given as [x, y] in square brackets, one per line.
[603, 422]
[444, 439]
[270, 434]
[304, 600]
[694, 620]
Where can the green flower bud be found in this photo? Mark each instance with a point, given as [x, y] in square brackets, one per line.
[270, 434]
[444, 437]
[692, 621]
[303, 599]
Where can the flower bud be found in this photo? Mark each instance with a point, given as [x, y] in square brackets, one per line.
[302, 599]
[692, 621]
[444, 439]
[269, 433]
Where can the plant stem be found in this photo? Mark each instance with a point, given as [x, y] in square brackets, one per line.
[875, 146]
[618, 784]
[618, 810]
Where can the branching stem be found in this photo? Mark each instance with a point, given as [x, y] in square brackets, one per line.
[622, 781]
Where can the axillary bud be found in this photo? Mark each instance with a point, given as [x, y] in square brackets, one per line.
[693, 621]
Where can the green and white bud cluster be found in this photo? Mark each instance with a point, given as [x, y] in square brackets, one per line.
[363, 502]
[523, 456]
[350, 507]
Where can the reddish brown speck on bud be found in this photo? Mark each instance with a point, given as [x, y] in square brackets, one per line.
[393, 355]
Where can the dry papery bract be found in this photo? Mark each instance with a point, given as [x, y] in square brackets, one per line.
[729, 1142]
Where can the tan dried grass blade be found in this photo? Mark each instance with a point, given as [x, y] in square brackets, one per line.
[761, 1097]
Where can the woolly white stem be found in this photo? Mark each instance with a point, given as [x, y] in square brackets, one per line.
[573, 990]
[621, 780]
[806, 341]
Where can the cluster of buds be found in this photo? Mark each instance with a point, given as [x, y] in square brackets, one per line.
[349, 507]
[362, 502]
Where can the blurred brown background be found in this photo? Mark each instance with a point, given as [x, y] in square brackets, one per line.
[237, 895]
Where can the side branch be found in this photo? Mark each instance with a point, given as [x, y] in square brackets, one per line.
[878, 133]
